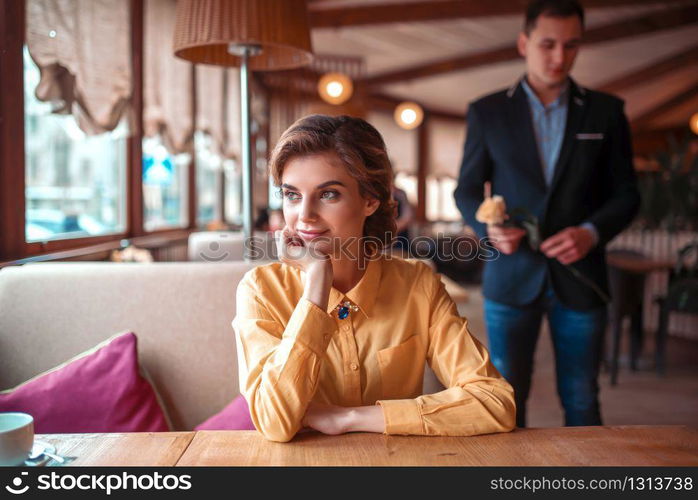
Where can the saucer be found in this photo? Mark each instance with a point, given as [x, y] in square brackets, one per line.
[38, 449]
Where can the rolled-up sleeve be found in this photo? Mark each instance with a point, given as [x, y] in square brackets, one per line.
[478, 399]
[279, 363]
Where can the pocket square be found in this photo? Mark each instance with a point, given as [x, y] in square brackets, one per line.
[590, 137]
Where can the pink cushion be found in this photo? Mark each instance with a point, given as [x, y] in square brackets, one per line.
[100, 390]
[234, 417]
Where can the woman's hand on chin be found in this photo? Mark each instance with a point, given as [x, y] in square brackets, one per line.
[308, 258]
[304, 255]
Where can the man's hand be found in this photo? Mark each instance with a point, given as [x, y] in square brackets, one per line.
[505, 239]
[569, 245]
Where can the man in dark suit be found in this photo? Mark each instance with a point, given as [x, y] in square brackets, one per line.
[562, 154]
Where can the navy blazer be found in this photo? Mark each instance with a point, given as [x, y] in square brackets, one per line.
[594, 181]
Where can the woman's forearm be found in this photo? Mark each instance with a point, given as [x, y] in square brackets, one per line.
[366, 419]
[318, 282]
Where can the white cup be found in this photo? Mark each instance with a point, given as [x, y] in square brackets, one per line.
[16, 437]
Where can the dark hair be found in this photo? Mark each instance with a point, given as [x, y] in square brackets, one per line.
[551, 8]
[360, 148]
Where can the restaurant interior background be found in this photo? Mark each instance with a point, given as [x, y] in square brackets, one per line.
[109, 142]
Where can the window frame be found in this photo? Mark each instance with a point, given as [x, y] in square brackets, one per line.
[13, 244]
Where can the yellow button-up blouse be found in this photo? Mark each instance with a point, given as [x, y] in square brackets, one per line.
[291, 352]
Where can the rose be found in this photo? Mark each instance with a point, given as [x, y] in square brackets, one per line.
[492, 211]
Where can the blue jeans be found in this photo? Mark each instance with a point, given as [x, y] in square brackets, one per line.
[577, 338]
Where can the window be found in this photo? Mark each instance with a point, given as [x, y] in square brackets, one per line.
[75, 183]
[432, 199]
[449, 210]
[164, 186]
[408, 183]
[233, 192]
[209, 168]
[441, 205]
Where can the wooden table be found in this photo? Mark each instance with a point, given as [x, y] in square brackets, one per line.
[141, 449]
[628, 261]
[582, 446]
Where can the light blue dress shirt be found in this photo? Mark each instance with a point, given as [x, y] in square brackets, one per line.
[549, 124]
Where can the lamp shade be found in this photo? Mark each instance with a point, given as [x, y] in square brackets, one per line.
[204, 30]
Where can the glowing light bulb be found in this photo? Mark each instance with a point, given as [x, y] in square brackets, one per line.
[409, 115]
[335, 88]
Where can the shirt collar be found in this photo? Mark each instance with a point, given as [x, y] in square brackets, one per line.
[364, 292]
[532, 97]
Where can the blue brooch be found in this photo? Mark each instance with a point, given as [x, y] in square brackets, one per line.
[344, 308]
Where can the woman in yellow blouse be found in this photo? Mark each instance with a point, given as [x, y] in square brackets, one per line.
[335, 336]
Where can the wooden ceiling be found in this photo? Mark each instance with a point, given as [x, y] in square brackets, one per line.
[445, 53]
[337, 14]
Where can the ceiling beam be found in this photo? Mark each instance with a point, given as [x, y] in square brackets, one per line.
[664, 20]
[326, 15]
[651, 71]
[384, 102]
[449, 65]
[643, 121]
[375, 100]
